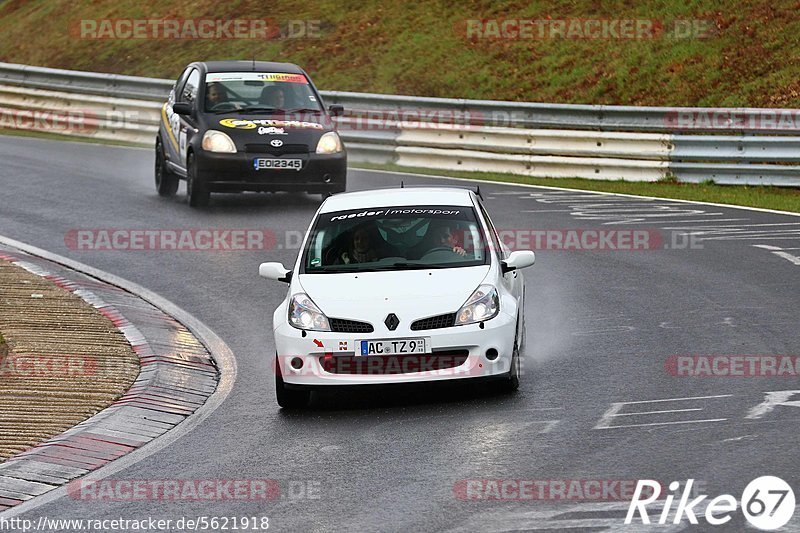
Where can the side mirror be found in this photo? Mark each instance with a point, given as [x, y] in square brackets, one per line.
[275, 271]
[336, 110]
[518, 259]
[182, 108]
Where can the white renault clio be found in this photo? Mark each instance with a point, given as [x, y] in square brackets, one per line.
[398, 286]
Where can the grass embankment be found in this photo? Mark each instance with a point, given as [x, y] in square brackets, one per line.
[738, 57]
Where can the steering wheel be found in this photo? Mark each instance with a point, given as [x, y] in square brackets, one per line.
[440, 253]
[223, 106]
[333, 255]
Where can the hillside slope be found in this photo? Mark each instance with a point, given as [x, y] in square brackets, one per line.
[744, 54]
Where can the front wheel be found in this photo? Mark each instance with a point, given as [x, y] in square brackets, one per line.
[166, 181]
[511, 382]
[288, 398]
[196, 192]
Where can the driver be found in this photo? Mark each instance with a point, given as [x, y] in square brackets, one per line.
[442, 237]
[215, 94]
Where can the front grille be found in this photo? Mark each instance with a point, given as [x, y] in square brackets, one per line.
[383, 365]
[280, 150]
[435, 322]
[340, 325]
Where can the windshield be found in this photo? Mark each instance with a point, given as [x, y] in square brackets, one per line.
[398, 238]
[259, 92]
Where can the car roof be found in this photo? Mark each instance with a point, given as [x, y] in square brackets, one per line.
[251, 66]
[445, 196]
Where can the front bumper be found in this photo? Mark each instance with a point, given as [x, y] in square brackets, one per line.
[235, 173]
[318, 348]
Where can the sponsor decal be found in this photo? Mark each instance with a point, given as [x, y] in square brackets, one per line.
[257, 76]
[271, 131]
[396, 212]
[247, 124]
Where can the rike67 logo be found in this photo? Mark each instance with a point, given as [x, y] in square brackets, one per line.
[767, 503]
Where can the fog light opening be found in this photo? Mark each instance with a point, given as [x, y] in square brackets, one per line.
[296, 363]
[491, 354]
[327, 178]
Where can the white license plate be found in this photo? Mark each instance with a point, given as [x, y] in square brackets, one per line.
[263, 163]
[393, 346]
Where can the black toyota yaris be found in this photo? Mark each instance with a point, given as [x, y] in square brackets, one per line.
[233, 126]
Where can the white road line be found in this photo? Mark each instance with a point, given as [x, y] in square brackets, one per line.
[693, 221]
[789, 257]
[665, 423]
[613, 412]
[681, 399]
[660, 412]
[546, 211]
[780, 252]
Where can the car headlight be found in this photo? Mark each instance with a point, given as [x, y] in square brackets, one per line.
[329, 143]
[304, 314]
[482, 305]
[217, 141]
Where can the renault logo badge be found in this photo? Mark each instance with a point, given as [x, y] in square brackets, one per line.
[392, 321]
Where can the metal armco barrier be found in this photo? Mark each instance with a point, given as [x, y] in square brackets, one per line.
[727, 145]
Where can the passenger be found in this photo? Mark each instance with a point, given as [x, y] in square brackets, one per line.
[273, 96]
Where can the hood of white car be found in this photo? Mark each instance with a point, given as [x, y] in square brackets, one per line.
[410, 294]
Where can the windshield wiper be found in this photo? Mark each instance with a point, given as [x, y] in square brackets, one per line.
[260, 109]
[411, 266]
[326, 270]
[223, 111]
[304, 110]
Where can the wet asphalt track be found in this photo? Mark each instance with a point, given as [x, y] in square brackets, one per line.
[600, 326]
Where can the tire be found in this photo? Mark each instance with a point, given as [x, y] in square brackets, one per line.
[342, 187]
[288, 398]
[196, 192]
[166, 181]
[511, 382]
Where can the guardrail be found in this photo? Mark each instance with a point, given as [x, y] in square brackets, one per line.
[727, 145]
